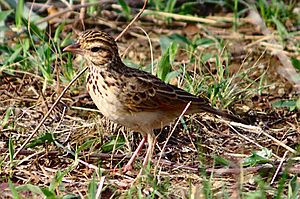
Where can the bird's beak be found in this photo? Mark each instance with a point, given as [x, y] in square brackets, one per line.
[73, 48]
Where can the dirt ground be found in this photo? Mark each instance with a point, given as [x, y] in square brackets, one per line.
[204, 150]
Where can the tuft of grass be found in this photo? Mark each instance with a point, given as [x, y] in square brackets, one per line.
[149, 187]
[168, 55]
[280, 10]
[125, 8]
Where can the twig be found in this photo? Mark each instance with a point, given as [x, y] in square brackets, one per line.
[178, 16]
[82, 14]
[279, 167]
[50, 110]
[56, 153]
[100, 187]
[65, 11]
[151, 49]
[133, 20]
[258, 130]
[181, 115]
[231, 171]
[245, 137]
[278, 142]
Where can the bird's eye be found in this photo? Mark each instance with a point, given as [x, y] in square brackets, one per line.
[95, 49]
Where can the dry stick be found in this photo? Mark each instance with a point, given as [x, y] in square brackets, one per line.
[100, 187]
[278, 141]
[178, 16]
[65, 11]
[228, 171]
[55, 153]
[133, 20]
[246, 138]
[228, 19]
[151, 49]
[279, 167]
[73, 80]
[48, 113]
[182, 114]
[82, 14]
[258, 130]
[231, 171]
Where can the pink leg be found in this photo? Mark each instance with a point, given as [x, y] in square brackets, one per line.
[148, 156]
[149, 153]
[128, 166]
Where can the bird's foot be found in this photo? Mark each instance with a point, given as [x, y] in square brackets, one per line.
[127, 167]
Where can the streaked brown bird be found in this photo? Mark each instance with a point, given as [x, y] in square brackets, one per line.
[131, 97]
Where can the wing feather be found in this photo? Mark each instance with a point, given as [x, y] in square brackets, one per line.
[145, 92]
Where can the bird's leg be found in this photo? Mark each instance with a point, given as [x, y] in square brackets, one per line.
[149, 153]
[151, 144]
[128, 166]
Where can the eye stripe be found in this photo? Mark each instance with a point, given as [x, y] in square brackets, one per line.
[99, 40]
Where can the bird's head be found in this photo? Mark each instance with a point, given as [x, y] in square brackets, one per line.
[96, 46]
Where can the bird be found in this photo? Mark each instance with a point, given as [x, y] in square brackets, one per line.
[131, 97]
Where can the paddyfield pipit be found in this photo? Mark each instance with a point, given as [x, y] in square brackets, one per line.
[131, 97]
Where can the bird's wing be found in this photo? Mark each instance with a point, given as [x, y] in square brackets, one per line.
[145, 92]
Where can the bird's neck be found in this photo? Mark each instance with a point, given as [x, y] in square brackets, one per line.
[112, 65]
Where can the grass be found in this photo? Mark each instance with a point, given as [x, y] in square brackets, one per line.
[76, 151]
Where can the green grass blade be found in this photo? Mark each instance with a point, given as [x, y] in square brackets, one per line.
[13, 190]
[170, 6]
[19, 13]
[11, 151]
[13, 56]
[165, 63]
[92, 188]
[5, 14]
[125, 8]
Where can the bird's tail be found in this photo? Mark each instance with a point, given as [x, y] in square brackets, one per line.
[231, 117]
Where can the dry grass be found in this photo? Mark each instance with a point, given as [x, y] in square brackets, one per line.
[76, 148]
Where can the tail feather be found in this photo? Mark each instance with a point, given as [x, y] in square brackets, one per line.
[231, 117]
